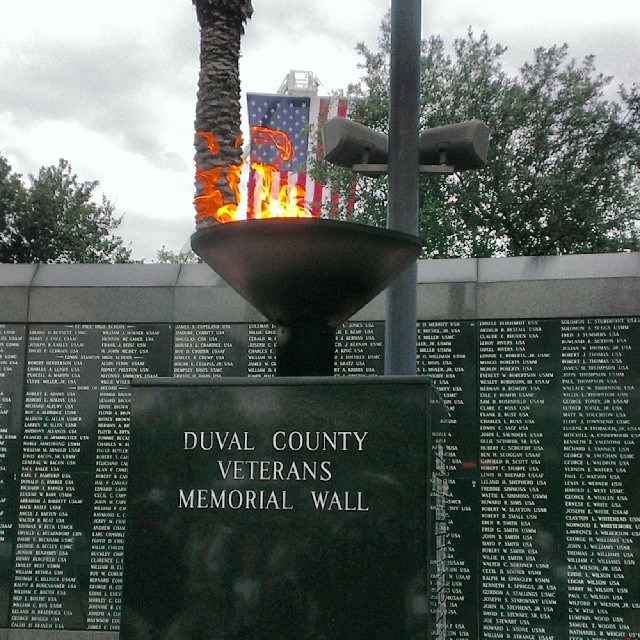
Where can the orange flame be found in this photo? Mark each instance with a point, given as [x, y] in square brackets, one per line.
[210, 202]
[210, 141]
[290, 200]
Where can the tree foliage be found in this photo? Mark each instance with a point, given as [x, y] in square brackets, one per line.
[562, 174]
[169, 256]
[55, 219]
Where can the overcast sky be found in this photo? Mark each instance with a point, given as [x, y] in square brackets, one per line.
[111, 86]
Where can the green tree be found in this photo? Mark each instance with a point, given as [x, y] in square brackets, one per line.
[55, 219]
[217, 121]
[12, 199]
[168, 256]
[562, 175]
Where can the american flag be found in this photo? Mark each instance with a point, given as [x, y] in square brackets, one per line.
[299, 118]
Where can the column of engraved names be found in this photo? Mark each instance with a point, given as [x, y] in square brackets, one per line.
[515, 371]
[441, 556]
[446, 353]
[53, 504]
[12, 346]
[209, 350]
[601, 428]
[12, 358]
[126, 351]
[359, 349]
[261, 350]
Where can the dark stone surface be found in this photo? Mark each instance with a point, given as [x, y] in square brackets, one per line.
[464, 356]
[353, 570]
[63, 480]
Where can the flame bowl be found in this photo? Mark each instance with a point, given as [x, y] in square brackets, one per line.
[305, 270]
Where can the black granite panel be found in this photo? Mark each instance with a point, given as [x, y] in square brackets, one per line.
[535, 468]
[261, 350]
[360, 349]
[519, 442]
[72, 480]
[446, 352]
[291, 509]
[12, 362]
[126, 352]
[236, 350]
[559, 440]
[210, 351]
[600, 390]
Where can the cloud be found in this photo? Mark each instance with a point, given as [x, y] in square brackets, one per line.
[147, 234]
[319, 37]
[346, 22]
[609, 31]
[117, 87]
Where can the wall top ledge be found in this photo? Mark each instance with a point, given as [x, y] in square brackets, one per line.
[573, 267]
[198, 275]
[106, 275]
[471, 270]
[17, 275]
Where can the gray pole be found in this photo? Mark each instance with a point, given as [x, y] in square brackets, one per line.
[404, 174]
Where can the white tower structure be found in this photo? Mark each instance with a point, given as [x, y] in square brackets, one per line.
[299, 83]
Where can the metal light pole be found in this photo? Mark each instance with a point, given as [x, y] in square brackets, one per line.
[404, 172]
[404, 154]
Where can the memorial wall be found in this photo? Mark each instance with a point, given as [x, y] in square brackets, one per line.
[535, 468]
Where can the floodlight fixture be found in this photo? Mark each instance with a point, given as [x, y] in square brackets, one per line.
[453, 147]
[348, 144]
[463, 145]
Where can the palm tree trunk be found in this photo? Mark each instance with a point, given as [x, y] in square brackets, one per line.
[217, 121]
